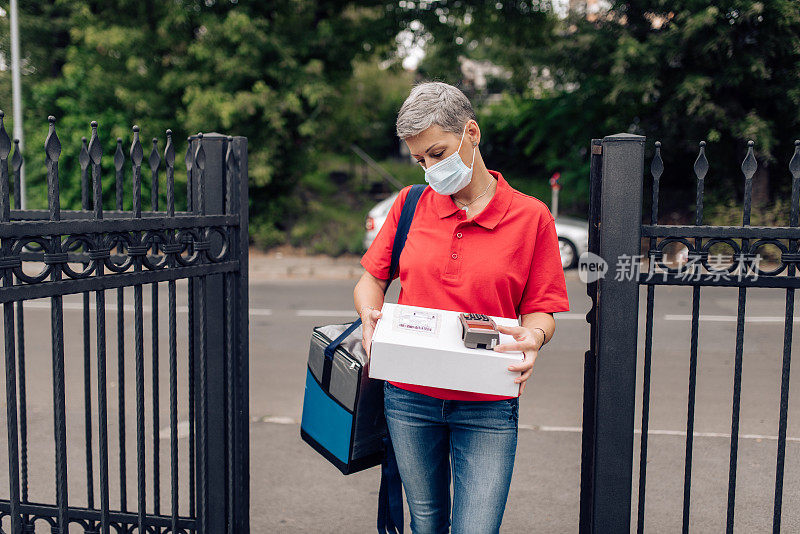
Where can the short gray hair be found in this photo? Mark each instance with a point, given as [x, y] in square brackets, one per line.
[434, 103]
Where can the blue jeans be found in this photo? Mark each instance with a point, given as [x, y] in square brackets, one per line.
[481, 439]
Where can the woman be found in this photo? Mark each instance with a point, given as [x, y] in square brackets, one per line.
[475, 245]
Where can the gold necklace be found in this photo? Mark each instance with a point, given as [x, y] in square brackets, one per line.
[466, 206]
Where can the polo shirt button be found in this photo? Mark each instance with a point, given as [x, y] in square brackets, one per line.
[460, 216]
[455, 256]
[458, 235]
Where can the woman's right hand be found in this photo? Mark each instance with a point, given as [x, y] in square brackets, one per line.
[368, 321]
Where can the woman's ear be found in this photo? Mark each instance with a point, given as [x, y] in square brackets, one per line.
[474, 132]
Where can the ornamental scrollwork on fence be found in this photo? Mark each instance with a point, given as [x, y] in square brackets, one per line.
[746, 259]
[118, 252]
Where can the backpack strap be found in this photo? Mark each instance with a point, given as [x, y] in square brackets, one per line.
[403, 225]
[390, 494]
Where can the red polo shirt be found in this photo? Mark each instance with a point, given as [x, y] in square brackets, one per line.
[504, 261]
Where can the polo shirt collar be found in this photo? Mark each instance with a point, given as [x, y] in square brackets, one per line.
[491, 214]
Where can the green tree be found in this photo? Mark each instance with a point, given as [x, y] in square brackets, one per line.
[509, 33]
[265, 70]
[679, 72]
[683, 72]
[42, 55]
[364, 110]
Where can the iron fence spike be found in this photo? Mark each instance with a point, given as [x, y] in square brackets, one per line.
[657, 165]
[136, 148]
[52, 145]
[5, 141]
[200, 153]
[95, 149]
[794, 169]
[5, 181]
[136, 154]
[52, 148]
[794, 163]
[83, 156]
[656, 169]
[189, 159]
[155, 159]
[701, 163]
[700, 170]
[232, 168]
[169, 150]
[119, 156]
[16, 159]
[749, 165]
[169, 159]
[83, 160]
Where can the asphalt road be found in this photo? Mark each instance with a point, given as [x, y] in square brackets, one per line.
[295, 490]
[545, 487]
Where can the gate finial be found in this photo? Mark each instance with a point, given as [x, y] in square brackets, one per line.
[169, 159]
[5, 148]
[95, 154]
[232, 168]
[794, 164]
[52, 145]
[16, 165]
[83, 156]
[52, 148]
[5, 141]
[700, 170]
[189, 159]
[95, 150]
[119, 156]
[200, 163]
[137, 154]
[656, 170]
[701, 163]
[749, 166]
[154, 159]
[16, 159]
[136, 162]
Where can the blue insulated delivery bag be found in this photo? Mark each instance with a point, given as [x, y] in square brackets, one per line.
[342, 407]
[341, 417]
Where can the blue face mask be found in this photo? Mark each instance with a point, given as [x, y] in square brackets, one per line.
[451, 174]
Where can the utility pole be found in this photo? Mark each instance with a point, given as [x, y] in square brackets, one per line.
[16, 97]
[554, 188]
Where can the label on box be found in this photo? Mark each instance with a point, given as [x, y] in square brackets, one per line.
[421, 322]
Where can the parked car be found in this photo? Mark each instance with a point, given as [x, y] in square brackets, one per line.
[573, 233]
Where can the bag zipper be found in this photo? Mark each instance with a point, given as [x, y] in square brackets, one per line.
[325, 339]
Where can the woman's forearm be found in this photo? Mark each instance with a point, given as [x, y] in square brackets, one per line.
[368, 292]
[542, 320]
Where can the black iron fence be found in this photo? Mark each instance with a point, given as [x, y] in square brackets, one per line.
[616, 232]
[200, 254]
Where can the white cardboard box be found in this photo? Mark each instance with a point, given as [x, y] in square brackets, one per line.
[423, 346]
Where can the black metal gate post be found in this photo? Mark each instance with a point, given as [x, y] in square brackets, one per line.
[608, 414]
[239, 342]
[207, 246]
[219, 350]
[610, 366]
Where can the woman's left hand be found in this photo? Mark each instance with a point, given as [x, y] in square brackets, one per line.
[525, 341]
